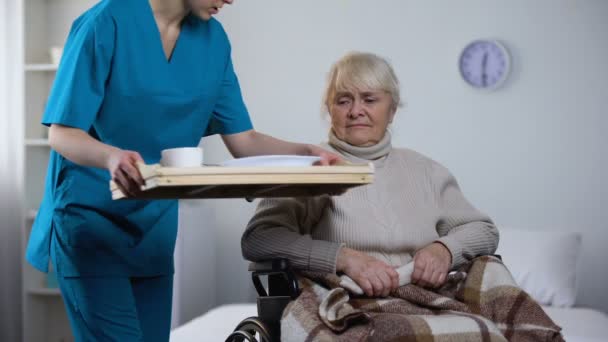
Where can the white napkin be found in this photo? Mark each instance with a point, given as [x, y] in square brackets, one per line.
[405, 277]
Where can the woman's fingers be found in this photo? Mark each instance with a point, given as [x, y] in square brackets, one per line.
[421, 266]
[373, 276]
[418, 271]
[137, 157]
[367, 287]
[431, 265]
[386, 282]
[442, 278]
[435, 278]
[123, 170]
[394, 276]
[427, 275]
[376, 284]
[121, 180]
[327, 157]
[133, 173]
[132, 182]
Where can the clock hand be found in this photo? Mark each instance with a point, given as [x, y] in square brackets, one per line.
[484, 63]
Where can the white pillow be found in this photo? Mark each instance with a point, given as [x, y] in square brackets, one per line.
[543, 263]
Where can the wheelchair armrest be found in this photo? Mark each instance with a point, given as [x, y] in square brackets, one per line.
[272, 265]
[282, 280]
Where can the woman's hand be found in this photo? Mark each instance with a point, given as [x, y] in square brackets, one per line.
[79, 147]
[122, 165]
[376, 278]
[431, 265]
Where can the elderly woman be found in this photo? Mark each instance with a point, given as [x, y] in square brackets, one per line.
[414, 210]
[412, 224]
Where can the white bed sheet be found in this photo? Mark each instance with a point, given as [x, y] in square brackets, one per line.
[215, 325]
[578, 324]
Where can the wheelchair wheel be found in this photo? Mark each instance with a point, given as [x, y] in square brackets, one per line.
[241, 336]
[254, 327]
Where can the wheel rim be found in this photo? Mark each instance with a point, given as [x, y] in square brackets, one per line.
[255, 326]
[240, 336]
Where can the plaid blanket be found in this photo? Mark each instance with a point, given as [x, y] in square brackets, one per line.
[479, 302]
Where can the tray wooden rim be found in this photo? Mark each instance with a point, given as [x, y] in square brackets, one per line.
[157, 176]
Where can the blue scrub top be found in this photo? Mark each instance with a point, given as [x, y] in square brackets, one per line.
[115, 82]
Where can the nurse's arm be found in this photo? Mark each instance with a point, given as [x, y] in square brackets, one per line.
[79, 147]
[252, 143]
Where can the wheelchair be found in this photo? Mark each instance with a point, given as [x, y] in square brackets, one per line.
[281, 288]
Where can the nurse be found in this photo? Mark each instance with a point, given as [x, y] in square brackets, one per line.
[137, 77]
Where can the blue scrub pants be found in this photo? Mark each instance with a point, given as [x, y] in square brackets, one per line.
[118, 309]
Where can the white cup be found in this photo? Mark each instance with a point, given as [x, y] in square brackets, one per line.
[55, 52]
[182, 157]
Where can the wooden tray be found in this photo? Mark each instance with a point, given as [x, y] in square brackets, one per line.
[247, 182]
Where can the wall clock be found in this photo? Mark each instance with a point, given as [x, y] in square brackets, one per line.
[485, 64]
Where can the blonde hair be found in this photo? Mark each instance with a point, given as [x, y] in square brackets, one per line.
[358, 71]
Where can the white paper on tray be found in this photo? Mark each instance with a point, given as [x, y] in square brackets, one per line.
[273, 160]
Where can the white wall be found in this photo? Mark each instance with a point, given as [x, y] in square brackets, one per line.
[531, 154]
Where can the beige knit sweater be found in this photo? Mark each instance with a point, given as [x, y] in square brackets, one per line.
[413, 201]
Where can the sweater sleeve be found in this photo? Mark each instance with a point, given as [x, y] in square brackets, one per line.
[464, 230]
[281, 228]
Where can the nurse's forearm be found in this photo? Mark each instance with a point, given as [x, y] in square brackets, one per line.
[79, 147]
[252, 143]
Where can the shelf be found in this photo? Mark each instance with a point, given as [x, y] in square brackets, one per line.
[41, 26]
[41, 67]
[37, 142]
[44, 292]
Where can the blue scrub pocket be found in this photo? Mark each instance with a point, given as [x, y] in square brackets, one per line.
[89, 228]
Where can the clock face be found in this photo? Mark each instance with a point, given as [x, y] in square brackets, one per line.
[484, 64]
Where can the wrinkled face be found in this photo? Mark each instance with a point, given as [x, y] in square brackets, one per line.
[360, 118]
[205, 9]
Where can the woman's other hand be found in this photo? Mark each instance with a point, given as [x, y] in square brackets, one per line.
[122, 165]
[376, 278]
[431, 265]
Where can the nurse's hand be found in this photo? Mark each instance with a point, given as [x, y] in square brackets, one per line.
[327, 158]
[122, 165]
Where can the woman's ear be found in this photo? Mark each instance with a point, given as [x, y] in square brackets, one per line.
[391, 116]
